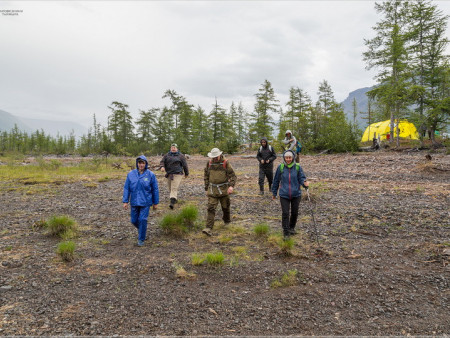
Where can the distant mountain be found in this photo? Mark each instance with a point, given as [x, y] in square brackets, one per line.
[53, 128]
[361, 101]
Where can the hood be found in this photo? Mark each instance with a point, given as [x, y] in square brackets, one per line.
[293, 157]
[142, 157]
[264, 139]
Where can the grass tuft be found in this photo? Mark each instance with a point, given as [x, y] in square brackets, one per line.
[261, 229]
[62, 226]
[66, 250]
[198, 259]
[181, 223]
[215, 258]
[288, 279]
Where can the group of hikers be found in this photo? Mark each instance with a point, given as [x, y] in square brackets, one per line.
[141, 191]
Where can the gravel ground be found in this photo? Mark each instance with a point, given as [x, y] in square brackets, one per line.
[380, 268]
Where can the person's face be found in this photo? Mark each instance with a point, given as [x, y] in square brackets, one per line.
[173, 149]
[217, 159]
[141, 165]
[263, 142]
[288, 159]
[288, 135]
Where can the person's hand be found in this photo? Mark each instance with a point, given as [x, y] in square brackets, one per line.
[155, 206]
[306, 184]
[125, 206]
[262, 161]
[267, 161]
[274, 198]
[230, 190]
[163, 169]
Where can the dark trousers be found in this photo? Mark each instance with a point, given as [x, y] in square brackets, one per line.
[212, 205]
[266, 171]
[288, 223]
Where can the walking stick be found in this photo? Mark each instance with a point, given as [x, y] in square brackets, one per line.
[312, 214]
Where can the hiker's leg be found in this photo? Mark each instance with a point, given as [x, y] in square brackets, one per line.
[174, 186]
[261, 179]
[134, 215]
[285, 204]
[143, 216]
[295, 202]
[211, 209]
[225, 203]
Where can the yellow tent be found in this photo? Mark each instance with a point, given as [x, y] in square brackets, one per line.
[382, 129]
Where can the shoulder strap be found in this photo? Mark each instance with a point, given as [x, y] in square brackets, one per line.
[297, 167]
[224, 163]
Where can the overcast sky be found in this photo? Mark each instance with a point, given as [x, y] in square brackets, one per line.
[68, 60]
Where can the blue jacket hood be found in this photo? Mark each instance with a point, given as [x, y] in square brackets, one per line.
[142, 157]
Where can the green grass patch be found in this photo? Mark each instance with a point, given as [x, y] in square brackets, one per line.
[62, 226]
[261, 229]
[198, 259]
[66, 250]
[288, 279]
[215, 258]
[180, 223]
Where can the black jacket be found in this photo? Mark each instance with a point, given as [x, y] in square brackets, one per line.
[266, 153]
[174, 163]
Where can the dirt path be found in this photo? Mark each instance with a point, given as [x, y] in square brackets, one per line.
[382, 268]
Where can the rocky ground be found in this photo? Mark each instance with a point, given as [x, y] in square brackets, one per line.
[380, 267]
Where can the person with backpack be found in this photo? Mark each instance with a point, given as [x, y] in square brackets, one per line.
[266, 155]
[220, 180]
[289, 178]
[292, 144]
[174, 164]
[141, 192]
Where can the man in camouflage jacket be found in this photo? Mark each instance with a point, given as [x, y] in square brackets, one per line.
[220, 180]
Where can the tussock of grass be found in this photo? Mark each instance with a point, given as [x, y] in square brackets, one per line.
[198, 259]
[66, 250]
[215, 258]
[261, 229]
[288, 279]
[181, 272]
[62, 226]
[181, 223]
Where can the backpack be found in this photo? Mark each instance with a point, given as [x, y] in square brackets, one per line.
[270, 148]
[297, 167]
[299, 147]
[224, 163]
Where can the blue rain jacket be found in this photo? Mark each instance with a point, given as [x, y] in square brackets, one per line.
[141, 189]
[290, 181]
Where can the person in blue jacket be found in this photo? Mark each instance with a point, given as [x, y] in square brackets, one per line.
[289, 178]
[141, 191]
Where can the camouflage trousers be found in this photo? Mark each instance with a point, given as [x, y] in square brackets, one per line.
[212, 206]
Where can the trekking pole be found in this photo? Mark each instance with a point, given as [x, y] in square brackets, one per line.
[312, 214]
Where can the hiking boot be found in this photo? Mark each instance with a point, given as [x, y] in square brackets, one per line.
[172, 202]
[140, 243]
[207, 231]
[292, 232]
[261, 193]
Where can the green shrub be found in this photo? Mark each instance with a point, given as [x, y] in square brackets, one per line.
[215, 258]
[261, 229]
[66, 250]
[62, 226]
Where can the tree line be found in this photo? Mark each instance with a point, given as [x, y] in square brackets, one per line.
[413, 80]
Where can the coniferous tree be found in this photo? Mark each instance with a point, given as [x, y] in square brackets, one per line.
[120, 124]
[387, 52]
[266, 103]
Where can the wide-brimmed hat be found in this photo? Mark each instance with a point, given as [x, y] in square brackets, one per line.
[288, 132]
[214, 152]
